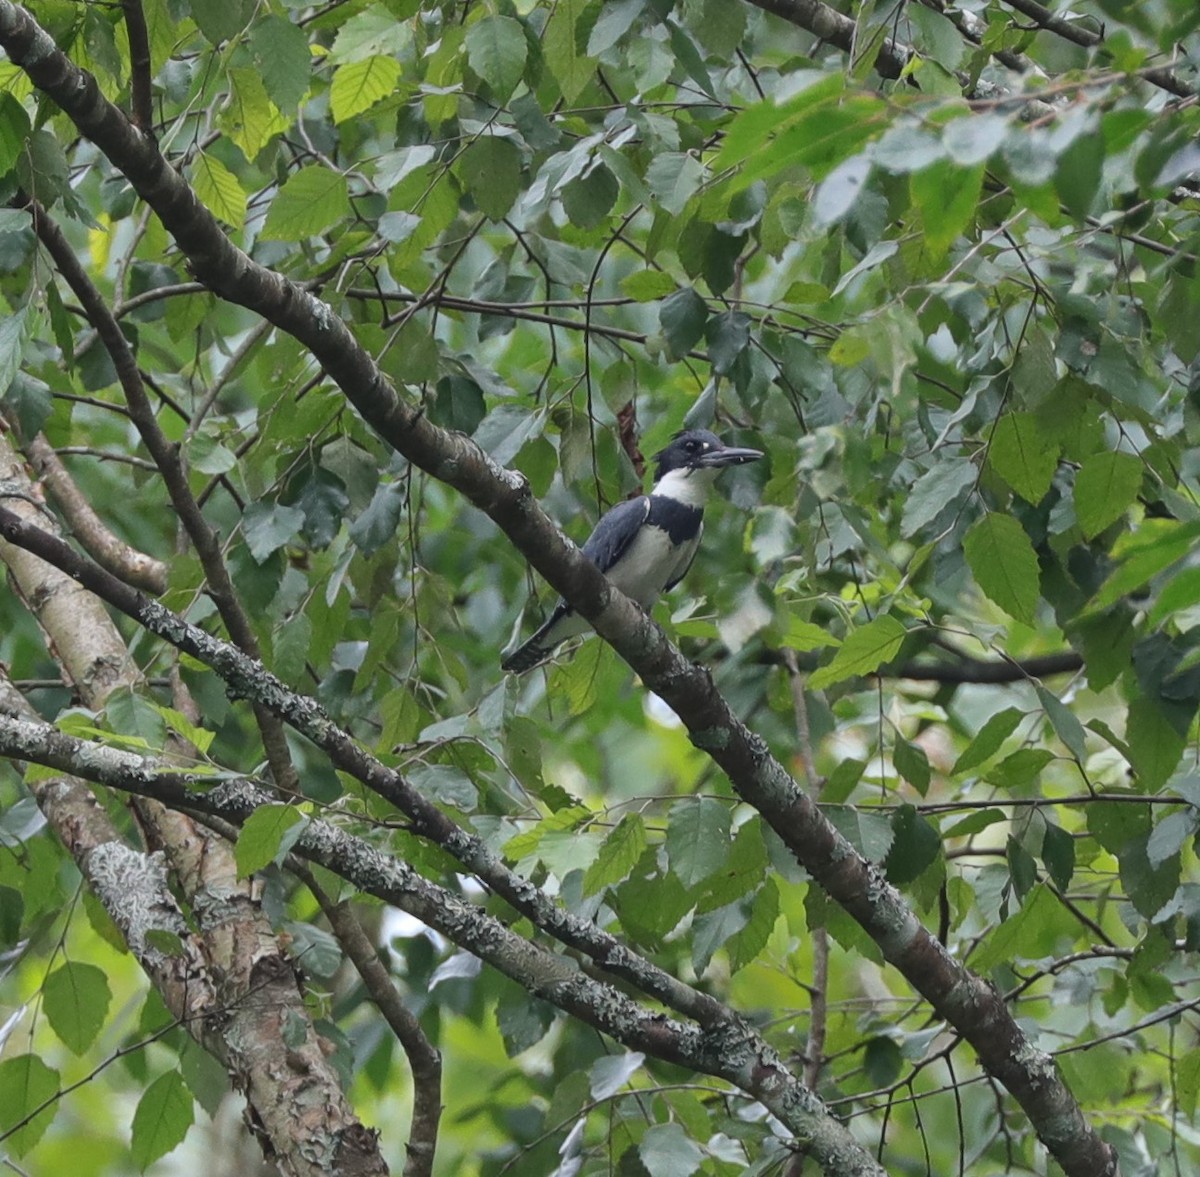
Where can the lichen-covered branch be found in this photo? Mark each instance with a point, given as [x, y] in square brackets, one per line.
[971, 1005]
[168, 458]
[731, 1051]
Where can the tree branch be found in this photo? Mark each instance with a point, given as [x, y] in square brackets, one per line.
[424, 1060]
[168, 458]
[969, 1003]
[113, 553]
[731, 1051]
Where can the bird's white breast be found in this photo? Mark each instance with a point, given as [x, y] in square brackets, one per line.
[650, 563]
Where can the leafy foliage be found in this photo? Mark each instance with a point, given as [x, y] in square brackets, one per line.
[940, 265]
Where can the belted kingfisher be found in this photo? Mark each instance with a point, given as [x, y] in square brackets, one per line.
[645, 545]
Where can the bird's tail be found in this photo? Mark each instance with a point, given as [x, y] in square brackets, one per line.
[526, 656]
[560, 625]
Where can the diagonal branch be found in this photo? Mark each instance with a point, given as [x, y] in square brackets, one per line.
[168, 458]
[975, 1009]
[733, 1051]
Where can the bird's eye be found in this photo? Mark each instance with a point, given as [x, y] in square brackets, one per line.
[693, 446]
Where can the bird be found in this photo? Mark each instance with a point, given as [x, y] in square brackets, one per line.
[645, 545]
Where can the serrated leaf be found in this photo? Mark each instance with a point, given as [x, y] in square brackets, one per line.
[948, 196]
[666, 1151]
[163, 1116]
[1062, 719]
[912, 764]
[250, 118]
[988, 740]
[281, 53]
[1105, 486]
[752, 939]
[1022, 454]
[682, 317]
[496, 49]
[611, 1072]
[1154, 743]
[915, 847]
[864, 650]
[569, 64]
[358, 85]
[697, 838]
[313, 199]
[25, 1084]
[618, 855]
[219, 190]
[587, 200]
[1157, 545]
[673, 178]
[491, 170]
[1004, 565]
[934, 491]
[268, 526]
[266, 836]
[1029, 934]
[647, 285]
[1058, 855]
[76, 999]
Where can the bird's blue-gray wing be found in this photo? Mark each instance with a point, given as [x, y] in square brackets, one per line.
[615, 531]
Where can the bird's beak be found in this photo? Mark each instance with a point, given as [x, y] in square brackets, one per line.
[730, 455]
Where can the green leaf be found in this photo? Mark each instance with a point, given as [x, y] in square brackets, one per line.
[281, 54]
[222, 20]
[988, 739]
[14, 129]
[76, 999]
[618, 855]
[1105, 486]
[916, 846]
[697, 838]
[12, 342]
[1148, 886]
[673, 178]
[313, 199]
[864, 650]
[647, 285]
[25, 1084]
[1062, 719]
[496, 49]
[1058, 856]
[491, 170]
[1022, 454]
[666, 1151]
[1156, 545]
[682, 316]
[266, 836]
[728, 336]
[1078, 176]
[1020, 767]
[566, 58]
[1032, 933]
[912, 764]
[752, 939]
[589, 199]
[358, 85]
[938, 488]
[268, 526]
[1155, 744]
[1004, 565]
[163, 1116]
[947, 196]
[1187, 1083]
[219, 190]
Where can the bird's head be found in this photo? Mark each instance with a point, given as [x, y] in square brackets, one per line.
[699, 450]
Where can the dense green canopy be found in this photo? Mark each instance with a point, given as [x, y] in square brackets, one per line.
[260, 283]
